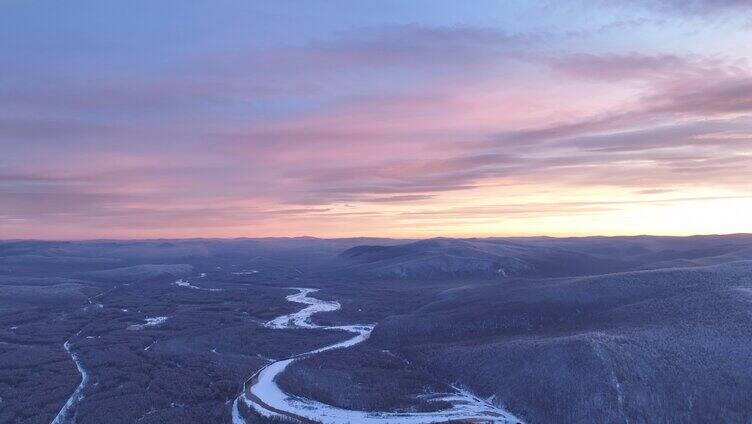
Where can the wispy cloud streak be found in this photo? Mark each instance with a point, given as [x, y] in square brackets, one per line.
[405, 124]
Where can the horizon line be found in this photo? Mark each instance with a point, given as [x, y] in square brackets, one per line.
[301, 237]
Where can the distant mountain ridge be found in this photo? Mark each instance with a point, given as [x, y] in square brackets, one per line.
[540, 257]
[442, 257]
[478, 258]
[431, 258]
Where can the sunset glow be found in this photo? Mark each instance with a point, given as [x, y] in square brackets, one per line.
[403, 119]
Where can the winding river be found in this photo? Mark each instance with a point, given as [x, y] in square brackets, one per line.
[78, 394]
[262, 394]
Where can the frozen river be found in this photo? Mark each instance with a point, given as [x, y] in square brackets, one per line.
[262, 394]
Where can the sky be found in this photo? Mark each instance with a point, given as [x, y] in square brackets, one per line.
[174, 119]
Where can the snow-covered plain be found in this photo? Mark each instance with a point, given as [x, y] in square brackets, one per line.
[268, 399]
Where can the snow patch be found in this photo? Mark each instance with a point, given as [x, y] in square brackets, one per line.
[251, 272]
[148, 322]
[186, 284]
